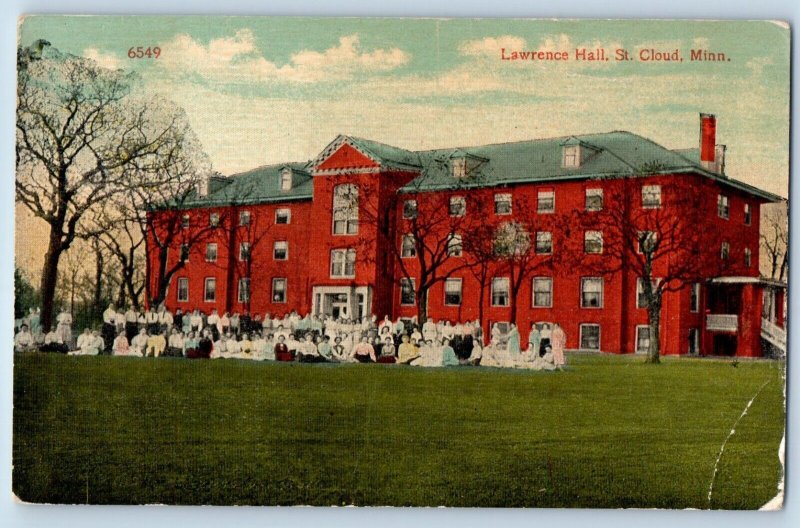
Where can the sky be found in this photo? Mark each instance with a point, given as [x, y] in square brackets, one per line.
[270, 90]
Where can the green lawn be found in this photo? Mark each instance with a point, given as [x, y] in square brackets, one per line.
[609, 432]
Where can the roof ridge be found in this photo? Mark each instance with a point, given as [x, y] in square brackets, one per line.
[530, 140]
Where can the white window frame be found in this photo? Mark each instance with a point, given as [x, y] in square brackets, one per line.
[571, 156]
[245, 251]
[341, 259]
[275, 248]
[534, 281]
[242, 289]
[285, 290]
[407, 205]
[748, 258]
[413, 283]
[748, 214]
[503, 198]
[695, 290]
[541, 196]
[495, 282]
[245, 218]
[348, 213]
[412, 253]
[209, 247]
[206, 282]
[592, 236]
[652, 192]
[186, 221]
[599, 336]
[213, 219]
[724, 251]
[694, 343]
[652, 235]
[584, 281]
[640, 291]
[723, 206]
[459, 166]
[460, 291]
[284, 211]
[639, 328]
[593, 192]
[187, 249]
[185, 282]
[455, 245]
[459, 201]
[286, 180]
[545, 236]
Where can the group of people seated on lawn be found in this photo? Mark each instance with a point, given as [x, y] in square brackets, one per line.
[308, 339]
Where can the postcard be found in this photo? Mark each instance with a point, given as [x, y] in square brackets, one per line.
[401, 262]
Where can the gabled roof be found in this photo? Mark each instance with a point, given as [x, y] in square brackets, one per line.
[259, 185]
[386, 155]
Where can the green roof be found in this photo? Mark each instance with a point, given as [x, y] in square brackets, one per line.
[608, 155]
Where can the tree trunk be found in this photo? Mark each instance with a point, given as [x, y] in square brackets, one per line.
[49, 278]
[654, 321]
[422, 306]
[481, 298]
[97, 309]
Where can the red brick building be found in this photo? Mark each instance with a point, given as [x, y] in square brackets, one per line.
[327, 237]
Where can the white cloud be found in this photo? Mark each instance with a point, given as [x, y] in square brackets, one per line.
[237, 59]
[106, 60]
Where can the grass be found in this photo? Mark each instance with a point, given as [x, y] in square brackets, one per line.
[609, 432]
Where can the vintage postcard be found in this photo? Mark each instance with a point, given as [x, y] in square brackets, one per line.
[401, 262]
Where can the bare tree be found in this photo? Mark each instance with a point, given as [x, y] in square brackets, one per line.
[775, 239]
[662, 234]
[80, 134]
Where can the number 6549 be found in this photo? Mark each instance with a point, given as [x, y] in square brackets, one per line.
[140, 52]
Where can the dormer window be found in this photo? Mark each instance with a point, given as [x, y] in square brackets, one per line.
[286, 179]
[459, 167]
[571, 156]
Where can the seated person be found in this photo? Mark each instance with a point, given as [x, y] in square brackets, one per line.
[387, 353]
[476, 354]
[407, 352]
[139, 343]
[23, 341]
[89, 344]
[190, 345]
[269, 348]
[363, 352]
[156, 344]
[338, 352]
[121, 347]
[308, 352]
[175, 344]
[282, 352]
[205, 346]
[324, 347]
[54, 343]
[449, 358]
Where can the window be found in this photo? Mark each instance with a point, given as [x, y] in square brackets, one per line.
[694, 298]
[279, 290]
[410, 209]
[544, 242]
[345, 209]
[286, 179]
[723, 209]
[409, 249]
[642, 339]
[210, 290]
[211, 252]
[594, 199]
[694, 341]
[571, 156]
[185, 221]
[454, 245]
[184, 252]
[641, 298]
[343, 263]
[590, 337]
[280, 250]
[452, 292]
[546, 202]
[591, 292]
[213, 219]
[459, 167]
[502, 204]
[500, 291]
[647, 241]
[748, 215]
[748, 257]
[283, 216]
[183, 289]
[244, 218]
[542, 292]
[407, 291]
[244, 290]
[458, 206]
[244, 251]
[651, 196]
[724, 251]
[593, 242]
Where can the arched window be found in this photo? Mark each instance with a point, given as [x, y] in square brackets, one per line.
[345, 209]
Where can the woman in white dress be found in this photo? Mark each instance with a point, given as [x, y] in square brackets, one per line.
[64, 327]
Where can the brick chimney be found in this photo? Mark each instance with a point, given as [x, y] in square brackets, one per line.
[712, 156]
